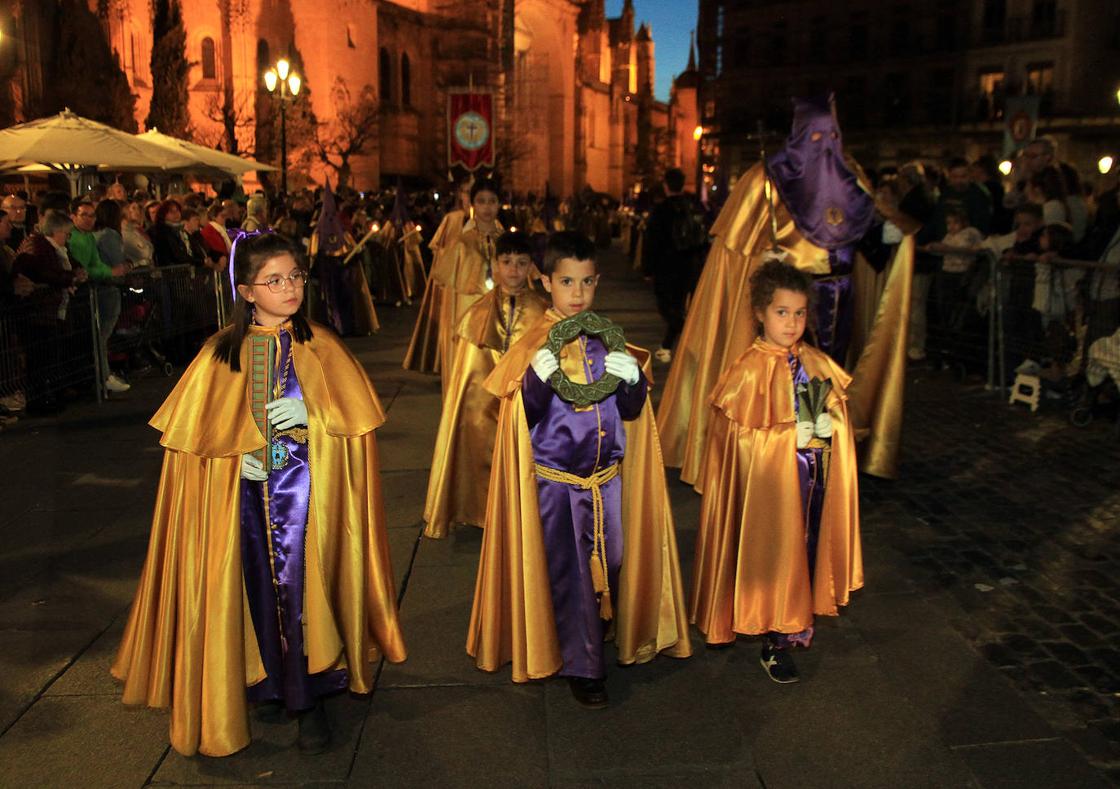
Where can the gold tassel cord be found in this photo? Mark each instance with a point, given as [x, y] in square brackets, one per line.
[594, 483]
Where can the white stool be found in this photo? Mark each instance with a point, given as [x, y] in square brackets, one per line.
[1026, 389]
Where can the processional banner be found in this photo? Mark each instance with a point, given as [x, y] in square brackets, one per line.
[470, 129]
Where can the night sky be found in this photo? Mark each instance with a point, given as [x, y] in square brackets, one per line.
[672, 21]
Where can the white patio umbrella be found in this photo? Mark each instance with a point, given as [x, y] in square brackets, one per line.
[67, 143]
[206, 158]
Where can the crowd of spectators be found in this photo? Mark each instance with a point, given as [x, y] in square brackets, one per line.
[1042, 214]
[59, 252]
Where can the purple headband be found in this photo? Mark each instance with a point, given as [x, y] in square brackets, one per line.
[239, 235]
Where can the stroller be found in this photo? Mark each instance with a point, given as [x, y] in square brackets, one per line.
[1102, 382]
[135, 338]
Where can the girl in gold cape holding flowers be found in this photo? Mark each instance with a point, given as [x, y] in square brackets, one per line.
[258, 585]
[779, 522]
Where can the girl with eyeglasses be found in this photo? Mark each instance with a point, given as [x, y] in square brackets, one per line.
[260, 586]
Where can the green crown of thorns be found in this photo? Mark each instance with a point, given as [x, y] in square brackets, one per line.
[583, 395]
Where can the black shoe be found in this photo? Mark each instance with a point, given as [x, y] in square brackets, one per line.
[779, 665]
[270, 712]
[591, 693]
[314, 730]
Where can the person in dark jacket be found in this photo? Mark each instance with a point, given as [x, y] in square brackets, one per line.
[673, 249]
[172, 247]
[44, 260]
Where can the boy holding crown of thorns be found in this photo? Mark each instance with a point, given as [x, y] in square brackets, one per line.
[579, 540]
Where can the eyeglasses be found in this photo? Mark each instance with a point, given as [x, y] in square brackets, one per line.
[277, 284]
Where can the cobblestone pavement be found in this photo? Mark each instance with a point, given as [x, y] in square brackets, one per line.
[983, 653]
[1016, 516]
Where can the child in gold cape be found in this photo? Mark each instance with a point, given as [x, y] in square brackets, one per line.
[460, 473]
[422, 355]
[259, 585]
[538, 602]
[463, 271]
[779, 522]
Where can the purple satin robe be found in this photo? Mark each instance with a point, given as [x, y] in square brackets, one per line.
[811, 476]
[579, 442]
[272, 552]
[834, 307]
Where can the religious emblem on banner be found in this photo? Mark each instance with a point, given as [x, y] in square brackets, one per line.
[1020, 122]
[470, 130]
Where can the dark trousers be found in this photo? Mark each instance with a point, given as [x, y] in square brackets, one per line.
[671, 288]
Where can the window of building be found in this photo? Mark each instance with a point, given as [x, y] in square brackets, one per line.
[385, 65]
[939, 97]
[209, 59]
[1044, 18]
[900, 31]
[741, 55]
[896, 89]
[946, 30]
[994, 20]
[1040, 82]
[990, 89]
[818, 40]
[720, 20]
[1040, 78]
[264, 57]
[857, 37]
[406, 80]
[779, 41]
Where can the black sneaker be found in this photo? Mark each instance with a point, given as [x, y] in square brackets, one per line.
[779, 665]
[314, 730]
[591, 693]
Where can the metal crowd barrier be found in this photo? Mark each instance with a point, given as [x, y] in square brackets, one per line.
[165, 313]
[1007, 311]
[42, 355]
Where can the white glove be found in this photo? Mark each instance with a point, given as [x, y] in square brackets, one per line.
[544, 364]
[286, 412]
[892, 233]
[623, 365]
[804, 434]
[252, 469]
[823, 428]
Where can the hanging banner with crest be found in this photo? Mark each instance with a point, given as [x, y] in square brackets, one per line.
[470, 129]
[1020, 122]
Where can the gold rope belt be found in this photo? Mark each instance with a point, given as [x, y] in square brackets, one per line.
[594, 483]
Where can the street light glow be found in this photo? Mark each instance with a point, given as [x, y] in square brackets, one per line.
[1104, 164]
[270, 79]
[282, 66]
[294, 83]
[697, 133]
[1005, 167]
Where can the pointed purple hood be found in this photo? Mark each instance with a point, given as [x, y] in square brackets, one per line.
[823, 195]
[331, 237]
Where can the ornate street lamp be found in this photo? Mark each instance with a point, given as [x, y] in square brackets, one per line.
[283, 83]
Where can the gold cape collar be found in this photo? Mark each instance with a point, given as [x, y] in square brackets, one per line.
[777, 350]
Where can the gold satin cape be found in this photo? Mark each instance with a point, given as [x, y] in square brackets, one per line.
[462, 271]
[719, 326]
[751, 571]
[460, 474]
[189, 642]
[423, 354]
[512, 616]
